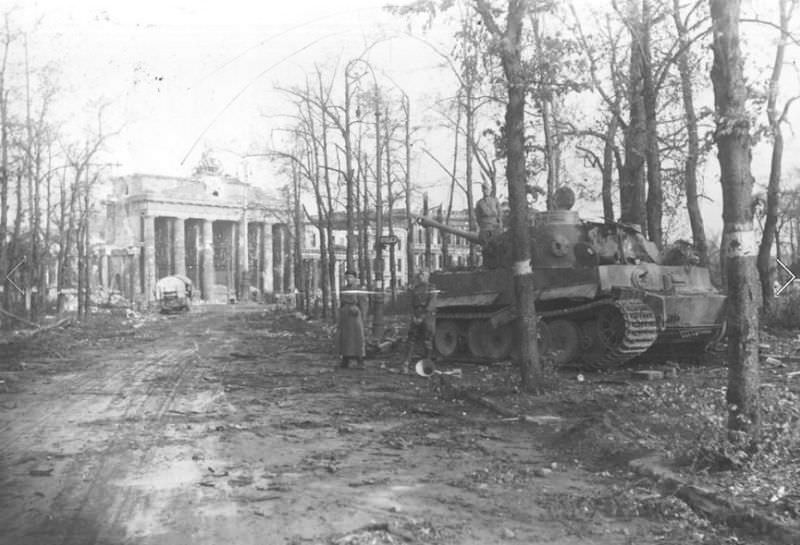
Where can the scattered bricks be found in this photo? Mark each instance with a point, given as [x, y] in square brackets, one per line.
[648, 374]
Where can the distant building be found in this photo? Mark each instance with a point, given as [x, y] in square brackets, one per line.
[457, 247]
[225, 235]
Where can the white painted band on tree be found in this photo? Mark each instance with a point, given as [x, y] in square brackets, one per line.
[740, 241]
[522, 267]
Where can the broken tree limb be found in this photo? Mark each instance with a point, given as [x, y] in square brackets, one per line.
[714, 507]
[487, 403]
[19, 318]
[507, 413]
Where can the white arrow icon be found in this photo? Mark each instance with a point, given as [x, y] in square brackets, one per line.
[792, 278]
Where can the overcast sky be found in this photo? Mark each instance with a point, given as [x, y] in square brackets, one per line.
[178, 71]
[182, 76]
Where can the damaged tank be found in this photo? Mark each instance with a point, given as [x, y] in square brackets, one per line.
[604, 295]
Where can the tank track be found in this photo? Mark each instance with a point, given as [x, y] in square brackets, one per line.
[640, 332]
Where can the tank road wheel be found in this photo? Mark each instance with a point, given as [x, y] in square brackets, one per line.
[565, 341]
[544, 341]
[445, 340]
[501, 341]
[476, 338]
[487, 342]
[623, 329]
[610, 327]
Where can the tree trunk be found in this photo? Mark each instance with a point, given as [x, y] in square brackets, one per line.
[323, 269]
[655, 193]
[733, 145]
[17, 252]
[313, 168]
[348, 152]
[62, 244]
[365, 235]
[299, 270]
[693, 141]
[452, 190]
[631, 191]
[44, 281]
[5, 175]
[377, 316]
[765, 264]
[533, 372]
[551, 144]
[764, 261]
[390, 207]
[608, 169]
[470, 122]
[427, 233]
[328, 196]
[409, 220]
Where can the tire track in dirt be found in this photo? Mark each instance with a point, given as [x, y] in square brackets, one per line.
[125, 501]
[112, 465]
[130, 390]
[98, 380]
[69, 397]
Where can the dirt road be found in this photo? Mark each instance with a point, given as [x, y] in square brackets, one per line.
[231, 425]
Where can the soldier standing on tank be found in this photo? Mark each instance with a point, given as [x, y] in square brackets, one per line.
[488, 214]
[350, 340]
[423, 320]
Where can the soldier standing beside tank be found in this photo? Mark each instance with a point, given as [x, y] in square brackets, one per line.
[423, 320]
[350, 341]
[487, 212]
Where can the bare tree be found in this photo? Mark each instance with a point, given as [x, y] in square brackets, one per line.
[776, 117]
[632, 183]
[693, 141]
[82, 161]
[533, 371]
[733, 145]
[5, 174]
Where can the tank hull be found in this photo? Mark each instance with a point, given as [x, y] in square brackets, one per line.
[604, 295]
[653, 306]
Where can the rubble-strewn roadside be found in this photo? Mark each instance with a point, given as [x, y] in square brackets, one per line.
[232, 421]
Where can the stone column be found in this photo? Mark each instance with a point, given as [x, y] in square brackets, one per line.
[105, 270]
[208, 260]
[149, 249]
[179, 246]
[267, 286]
[288, 252]
[277, 257]
[244, 260]
[132, 270]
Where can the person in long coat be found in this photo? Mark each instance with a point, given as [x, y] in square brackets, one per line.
[350, 339]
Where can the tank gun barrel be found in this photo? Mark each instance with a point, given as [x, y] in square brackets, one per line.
[429, 222]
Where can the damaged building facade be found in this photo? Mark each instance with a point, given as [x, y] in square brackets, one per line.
[430, 248]
[224, 235]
